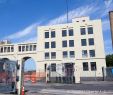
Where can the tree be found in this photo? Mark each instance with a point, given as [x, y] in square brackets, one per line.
[109, 60]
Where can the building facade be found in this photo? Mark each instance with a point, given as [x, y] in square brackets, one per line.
[79, 43]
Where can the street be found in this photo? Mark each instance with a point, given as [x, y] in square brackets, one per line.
[85, 88]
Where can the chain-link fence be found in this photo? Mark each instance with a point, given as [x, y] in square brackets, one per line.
[107, 73]
[7, 76]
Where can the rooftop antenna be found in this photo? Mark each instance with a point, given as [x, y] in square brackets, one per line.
[67, 10]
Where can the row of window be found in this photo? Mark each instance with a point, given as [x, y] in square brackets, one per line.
[27, 48]
[69, 32]
[85, 53]
[53, 55]
[70, 53]
[89, 29]
[71, 43]
[64, 44]
[85, 66]
[92, 65]
[6, 49]
[90, 42]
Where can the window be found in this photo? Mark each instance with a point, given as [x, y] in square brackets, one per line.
[46, 45]
[84, 53]
[71, 32]
[72, 54]
[53, 67]
[92, 53]
[65, 54]
[34, 47]
[23, 48]
[90, 30]
[53, 44]
[85, 66]
[52, 34]
[91, 41]
[27, 48]
[83, 31]
[93, 66]
[5, 49]
[1, 50]
[19, 48]
[53, 55]
[64, 43]
[83, 42]
[47, 55]
[12, 49]
[8, 49]
[31, 47]
[64, 33]
[46, 34]
[71, 43]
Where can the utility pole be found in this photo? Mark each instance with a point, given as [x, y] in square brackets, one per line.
[67, 10]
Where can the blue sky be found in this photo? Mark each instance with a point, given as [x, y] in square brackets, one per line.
[19, 18]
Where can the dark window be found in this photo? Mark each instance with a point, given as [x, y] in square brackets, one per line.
[92, 53]
[53, 44]
[53, 55]
[34, 47]
[47, 55]
[91, 41]
[85, 66]
[19, 48]
[84, 53]
[8, 49]
[12, 49]
[83, 31]
[90, 30]
[71, 43]
[64, 33]
[53, 67]
[72, 54]
[31, 47]
[46, 45]
[46, 34]
[1, 50]
[64, 43]
[71, 32]
[23, 48]
[83, 42]
[93, 66]
[52, 34]
[27, 48]
[65, 54]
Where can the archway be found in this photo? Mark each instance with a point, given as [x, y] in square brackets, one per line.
[29, 70]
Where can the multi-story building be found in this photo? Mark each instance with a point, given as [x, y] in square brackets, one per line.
[61, 47]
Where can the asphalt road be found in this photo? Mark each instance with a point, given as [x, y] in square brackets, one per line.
[84, 88]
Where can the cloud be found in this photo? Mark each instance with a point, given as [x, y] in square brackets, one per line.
[78, 12]
[30, 40]
[21, 33]
[107, 3]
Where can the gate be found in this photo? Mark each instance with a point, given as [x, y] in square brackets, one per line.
[7, 76]
[107, 73]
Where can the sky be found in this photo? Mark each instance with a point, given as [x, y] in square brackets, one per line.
[20, 18]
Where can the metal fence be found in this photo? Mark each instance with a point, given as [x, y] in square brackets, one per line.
[7, 76]
[107, 73]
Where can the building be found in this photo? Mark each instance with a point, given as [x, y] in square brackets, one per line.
[61, 47]
[70, 51]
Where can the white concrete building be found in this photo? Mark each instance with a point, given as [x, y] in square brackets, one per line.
[79, 42]
[64, 50]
